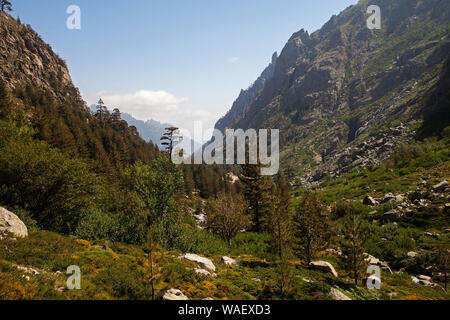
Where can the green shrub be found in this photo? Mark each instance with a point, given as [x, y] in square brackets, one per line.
[252, 243]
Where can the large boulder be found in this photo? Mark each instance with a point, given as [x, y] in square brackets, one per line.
[337, 295]
[174, 294]
[323, 266]
[10, 223]
[204, 263]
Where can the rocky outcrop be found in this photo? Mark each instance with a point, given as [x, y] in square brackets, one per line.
[204, 263]
[10, 223]
[25, 51]
[174, 294]
[323, 266]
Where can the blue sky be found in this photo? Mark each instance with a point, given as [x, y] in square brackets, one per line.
[172, 60]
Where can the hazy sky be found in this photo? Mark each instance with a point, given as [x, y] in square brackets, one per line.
[173, 61]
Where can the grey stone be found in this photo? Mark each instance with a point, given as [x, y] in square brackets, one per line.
[10, 223]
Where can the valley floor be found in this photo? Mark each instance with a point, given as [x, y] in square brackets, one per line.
[35, 267]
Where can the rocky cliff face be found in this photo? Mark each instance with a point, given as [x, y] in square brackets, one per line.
[26, 58]
[241, 106]
[346, 96]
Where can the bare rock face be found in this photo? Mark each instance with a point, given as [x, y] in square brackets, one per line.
[323, 266]
[10, 223]
[317, 82]
[174, 294]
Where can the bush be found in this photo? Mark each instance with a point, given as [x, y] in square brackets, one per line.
[204, 242]
[252, 243]
[113, 226]
[55, 189]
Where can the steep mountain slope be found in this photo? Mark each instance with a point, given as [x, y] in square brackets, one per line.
[37, 82]
[346, 96]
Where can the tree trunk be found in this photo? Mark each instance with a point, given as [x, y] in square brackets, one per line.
[152, 275]
[445, 281]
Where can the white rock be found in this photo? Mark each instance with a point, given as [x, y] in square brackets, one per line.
[205, 273]
[202, 262]
[337, 295]
[371, 259]
[426, 283]
[377, 262]
[324, 267]
[229, 261]
[369, 201]
[10, 223]
[174, 294]
[28, 270]
[412, 254]
[425, 278]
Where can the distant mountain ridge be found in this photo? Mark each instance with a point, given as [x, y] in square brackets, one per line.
[150, 130]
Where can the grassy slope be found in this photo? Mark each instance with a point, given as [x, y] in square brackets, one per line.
[121, 272]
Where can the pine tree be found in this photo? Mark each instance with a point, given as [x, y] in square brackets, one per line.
[5, 5]
[312, 227]
[102, 110]
[188, 180]
[257, 189]
[278, 221]
[116, 115]
[169, 138]
[442, 261]
[355, 234]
